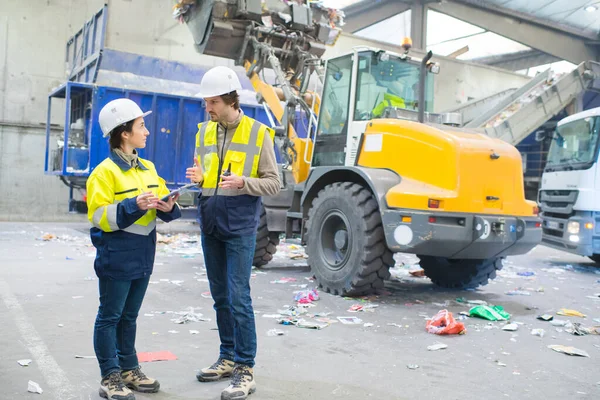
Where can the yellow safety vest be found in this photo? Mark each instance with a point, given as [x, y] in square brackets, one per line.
[389, 100]
[243, 153]
[108, 185]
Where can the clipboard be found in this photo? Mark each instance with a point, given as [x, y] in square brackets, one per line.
[182, 189]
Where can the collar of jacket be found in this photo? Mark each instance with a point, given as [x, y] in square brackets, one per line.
[122, 164]
[232, 125]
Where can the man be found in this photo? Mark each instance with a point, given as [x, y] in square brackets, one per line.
[235, 165]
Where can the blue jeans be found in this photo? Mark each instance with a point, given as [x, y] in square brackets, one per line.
[228, 263]
[114, 331]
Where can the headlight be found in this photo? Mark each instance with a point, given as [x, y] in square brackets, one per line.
[573, 227]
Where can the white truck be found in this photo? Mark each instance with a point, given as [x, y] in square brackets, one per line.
[569, 196]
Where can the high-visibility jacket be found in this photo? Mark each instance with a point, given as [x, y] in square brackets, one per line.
[389, 100]
[124, 235]
[224, 210]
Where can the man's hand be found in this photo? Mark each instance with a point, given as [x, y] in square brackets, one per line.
[231, 182]
[195, 173]
[146, 201]
[167, 206]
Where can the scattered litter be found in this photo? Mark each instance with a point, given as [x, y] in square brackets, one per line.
[306, 296]
[500, 364]
[34, 387]
[412, 366]
[559, 322]
[570, 313]
[77, 297]
[85, 357]
[189, 316]
[395, 324]
[284, 280]
[545, 317]
[438, 346]
[419, 273]
[89, 278]
[275, 332]
[518, 292]
[368, 325]
[156, 356]
[69, 258]
[173, 331]
[194, 332]
[61, 325]
[47, 237]
[443, 323]
[577, 330]
[538, 332]
[206, 295]
[302, 323]
[442, 305]
[462, 300]
[360, 307]
[491, 313]
[177, 283]
[350, 320]
[528, 273]
[165, 280]
[24, 363]
[571, 351]
[148, 315]
[510, 327]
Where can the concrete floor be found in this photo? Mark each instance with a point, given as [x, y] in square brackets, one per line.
[47, 283]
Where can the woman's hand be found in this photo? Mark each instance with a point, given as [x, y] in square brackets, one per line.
[146, 201]
[167, 206]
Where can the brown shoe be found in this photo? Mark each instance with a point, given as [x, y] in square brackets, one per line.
[136, 380]
[112, 387]
[219, 370]
[242, 384]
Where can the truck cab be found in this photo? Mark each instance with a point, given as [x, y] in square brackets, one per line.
[570, 188]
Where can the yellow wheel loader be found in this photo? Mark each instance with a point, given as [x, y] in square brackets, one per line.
[378, 173]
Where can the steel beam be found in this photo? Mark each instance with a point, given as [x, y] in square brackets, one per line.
[556, 42]
[365, 13]
[418, 24]
[518, 60]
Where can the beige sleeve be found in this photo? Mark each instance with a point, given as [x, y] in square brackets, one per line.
[268, 182]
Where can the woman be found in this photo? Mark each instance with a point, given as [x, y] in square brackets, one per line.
[123, 202]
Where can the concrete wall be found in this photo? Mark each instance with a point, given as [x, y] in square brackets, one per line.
[33, 36]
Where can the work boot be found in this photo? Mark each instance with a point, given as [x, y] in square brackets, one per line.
[112, 387]
[242, 384]
[219, 370]
[136, 380]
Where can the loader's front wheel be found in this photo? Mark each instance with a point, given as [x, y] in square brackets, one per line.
[460, 274]
[266, 242]
[346, 244]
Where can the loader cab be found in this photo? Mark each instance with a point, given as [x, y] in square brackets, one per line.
[357, 92]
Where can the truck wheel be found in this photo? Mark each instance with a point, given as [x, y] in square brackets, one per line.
[266, 242]
[460, 274]
[346, 244]
[595, 258]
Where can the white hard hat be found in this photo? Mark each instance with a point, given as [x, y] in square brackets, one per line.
[118, 112]
[217, 81]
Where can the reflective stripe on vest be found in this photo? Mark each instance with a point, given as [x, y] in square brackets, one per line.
[243, 153]
[127, 184]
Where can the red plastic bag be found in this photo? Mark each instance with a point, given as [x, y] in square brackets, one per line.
[444, 324]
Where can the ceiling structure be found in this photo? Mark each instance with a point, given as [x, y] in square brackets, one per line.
[545, 31]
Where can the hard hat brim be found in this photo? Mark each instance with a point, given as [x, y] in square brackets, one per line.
[143, 115]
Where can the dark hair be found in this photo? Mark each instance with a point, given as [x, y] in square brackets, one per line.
[232, 98]
[115, 135]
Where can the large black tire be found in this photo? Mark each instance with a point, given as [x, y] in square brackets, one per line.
[266, 242]
[595, 258]
[346, 245]
[460, 274]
